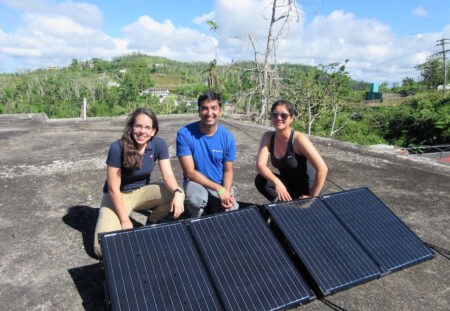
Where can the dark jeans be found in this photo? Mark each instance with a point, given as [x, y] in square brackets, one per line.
[295, 186]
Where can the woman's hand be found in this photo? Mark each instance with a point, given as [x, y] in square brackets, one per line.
[305, 196]
[127, 224]
[177, 205]
[283, 194]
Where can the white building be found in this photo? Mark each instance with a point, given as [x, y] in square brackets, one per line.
[161, 93]
[441, 87]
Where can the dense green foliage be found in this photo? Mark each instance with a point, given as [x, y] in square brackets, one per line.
[421, 120]
[329, 103]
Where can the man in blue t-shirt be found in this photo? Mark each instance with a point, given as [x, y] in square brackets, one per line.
[206, 151]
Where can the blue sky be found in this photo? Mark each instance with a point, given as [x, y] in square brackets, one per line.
[383, 40]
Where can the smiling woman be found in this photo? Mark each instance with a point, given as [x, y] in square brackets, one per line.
[127, 188]
[290, 152]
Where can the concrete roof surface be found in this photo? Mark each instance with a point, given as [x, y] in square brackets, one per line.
[51, 178]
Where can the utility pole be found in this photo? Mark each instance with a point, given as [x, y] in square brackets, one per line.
[442, 42]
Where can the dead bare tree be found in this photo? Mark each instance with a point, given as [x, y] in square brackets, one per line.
[283, 12]
[266, 78]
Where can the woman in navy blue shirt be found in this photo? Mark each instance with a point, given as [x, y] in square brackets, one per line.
[127, 188]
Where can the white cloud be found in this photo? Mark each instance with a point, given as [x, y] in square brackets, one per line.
[419, 11]
[374, 51]
[204, 18]
[53, 33]
[84, 13]
[164, 39]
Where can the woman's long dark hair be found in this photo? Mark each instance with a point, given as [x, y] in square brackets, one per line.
[131, 157]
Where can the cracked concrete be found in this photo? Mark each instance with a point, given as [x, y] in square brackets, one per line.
[51, 179]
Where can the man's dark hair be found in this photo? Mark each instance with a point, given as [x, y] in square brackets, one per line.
[210, 95]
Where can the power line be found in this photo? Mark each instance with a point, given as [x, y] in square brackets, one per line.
[403, 56]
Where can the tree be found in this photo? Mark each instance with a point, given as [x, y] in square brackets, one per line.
[338, 85]
[384, 86]
[267, 70]
[212, 77]
[169, 104]
[130, 92]
[431, 72]
[319, 95]
[266, 81]
[408, 82]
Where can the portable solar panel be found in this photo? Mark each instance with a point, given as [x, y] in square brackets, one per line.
[248, 265]
[384, 236]
[156, 268]
[326, 249]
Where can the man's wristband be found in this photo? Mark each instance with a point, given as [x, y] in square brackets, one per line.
[220, 191]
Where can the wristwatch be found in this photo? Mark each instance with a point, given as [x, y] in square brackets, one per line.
[179, 190]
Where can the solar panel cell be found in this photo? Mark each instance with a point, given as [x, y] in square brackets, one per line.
[384, 236]
[156, 268]
[326, 249]
[249, 267]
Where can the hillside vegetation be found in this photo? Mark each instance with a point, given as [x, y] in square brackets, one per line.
[328, 101]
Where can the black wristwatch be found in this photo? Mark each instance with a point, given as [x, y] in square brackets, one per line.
[179, 190]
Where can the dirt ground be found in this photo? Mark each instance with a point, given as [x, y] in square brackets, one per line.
[51, 178]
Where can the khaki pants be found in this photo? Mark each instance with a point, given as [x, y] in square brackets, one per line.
[153, 197]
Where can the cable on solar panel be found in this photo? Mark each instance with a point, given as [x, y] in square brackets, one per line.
[441, 251]
[332, 305]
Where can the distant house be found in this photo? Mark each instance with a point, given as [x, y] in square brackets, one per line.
[112, 83]
[161, 93]
[441, 87]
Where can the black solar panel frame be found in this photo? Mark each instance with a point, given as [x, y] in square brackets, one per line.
[372, 233]
[255, 247]
[311, 249]
[129, 271]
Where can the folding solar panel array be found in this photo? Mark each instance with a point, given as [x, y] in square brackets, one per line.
[328, 251]
[236, 261]
[382, 234]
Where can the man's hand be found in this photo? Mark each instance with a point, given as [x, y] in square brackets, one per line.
[226, 198]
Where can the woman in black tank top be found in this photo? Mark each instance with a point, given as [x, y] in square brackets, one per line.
[290, 152]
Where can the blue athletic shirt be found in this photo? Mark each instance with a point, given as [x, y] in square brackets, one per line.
[132, 179]
[208, 152]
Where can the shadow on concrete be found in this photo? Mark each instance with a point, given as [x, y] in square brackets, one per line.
[89, 282]
[83, 218]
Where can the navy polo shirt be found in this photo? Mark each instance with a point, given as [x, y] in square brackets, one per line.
[132, 179]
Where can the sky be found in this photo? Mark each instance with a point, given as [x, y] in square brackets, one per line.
[382, 40]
